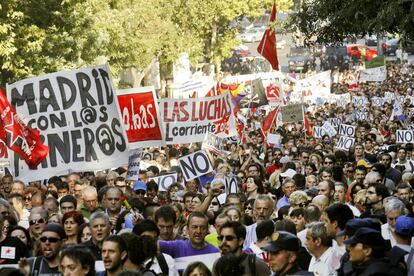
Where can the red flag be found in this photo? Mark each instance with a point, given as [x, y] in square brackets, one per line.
[19, 137]
[267, 46]
[269, 119]
[307, 125]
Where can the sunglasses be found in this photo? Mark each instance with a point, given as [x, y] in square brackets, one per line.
[214, 203]
[36, 221]
[140, 192]
[328, 162]
[50, 239]
[227, 238]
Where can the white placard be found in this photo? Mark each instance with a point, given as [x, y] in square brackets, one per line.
[213, 142]
[133, 164]
[77, 114]
[377, 74]
[347, 130]
[345, 143]
[165, 181]
[377, 101]
[318, 132]
[329, 129]
[273, 139]
[195, 165]
[404, 136]
[359, 101]
[231, 185]
[335, 122]
[292, 113]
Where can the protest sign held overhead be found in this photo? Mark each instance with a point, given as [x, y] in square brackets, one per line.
[195, 165]
[231, 185]
[292, 113]
[404, 136]
[318, 132]
[134, 160]
[335, 122]
[329, 129]
[345, 143]
[164, 181]
[189, 120]
[140, 115]
[376, 74]
[347, 130]
[359, 101]
[214, 143]
[77, 114]
[313, 88]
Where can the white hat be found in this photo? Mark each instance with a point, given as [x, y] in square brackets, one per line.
[285, 159]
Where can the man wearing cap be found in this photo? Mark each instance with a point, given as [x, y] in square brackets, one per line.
[404, 231]
[367, 252]
[283, 254]
[140, 188]
[51, 241]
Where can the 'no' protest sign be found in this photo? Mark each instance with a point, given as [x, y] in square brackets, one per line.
[195, 165]
[77, 114]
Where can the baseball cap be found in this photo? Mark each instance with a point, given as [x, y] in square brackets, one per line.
[282, 240]
[367, 236]
[353, 225]
[404, 226]
[140, 185]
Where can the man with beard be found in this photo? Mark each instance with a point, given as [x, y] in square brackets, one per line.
[391, 173]
[231, 238]
[114, 254]
[51, 241]
[375, 195]
[195, 248]
[100, 229]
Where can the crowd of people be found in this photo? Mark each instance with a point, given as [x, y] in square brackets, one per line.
[301, 208]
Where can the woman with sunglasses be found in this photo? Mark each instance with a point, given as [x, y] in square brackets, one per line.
[71, 222]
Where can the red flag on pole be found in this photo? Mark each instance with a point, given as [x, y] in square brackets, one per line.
[267, 46]
[307, 125]
[19, 137]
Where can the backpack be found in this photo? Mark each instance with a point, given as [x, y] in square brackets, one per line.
[251, 259]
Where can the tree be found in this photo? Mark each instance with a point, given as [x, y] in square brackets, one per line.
[333, 20]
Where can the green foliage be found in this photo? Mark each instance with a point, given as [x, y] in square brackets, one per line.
[333, 20]
[42, 36]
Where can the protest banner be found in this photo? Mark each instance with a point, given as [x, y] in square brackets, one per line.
[134, 161]
[214, 143]
[377, 74]
[339, 99]
[233, 139]
[345, 143]
[189, 120]
[347, 130]
[164, 181]
[359, 101]
[318, 132]
[292, 113]
[141, 118]
[404, 136]
[77, 114]
[274, 139]
[195, 165]
[361, 116]
[4, 154]
[329, 129]
[191, 88]
[314, 88]
[377, 101]
[335, 122]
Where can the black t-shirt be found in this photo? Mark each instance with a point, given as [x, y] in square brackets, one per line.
[11, 250]
[96, 251]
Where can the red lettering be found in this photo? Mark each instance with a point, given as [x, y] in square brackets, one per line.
[166, 119]
[184, 112]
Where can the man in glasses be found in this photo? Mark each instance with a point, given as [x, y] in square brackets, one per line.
[37, 221]
[231, 238]
[51, 241]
